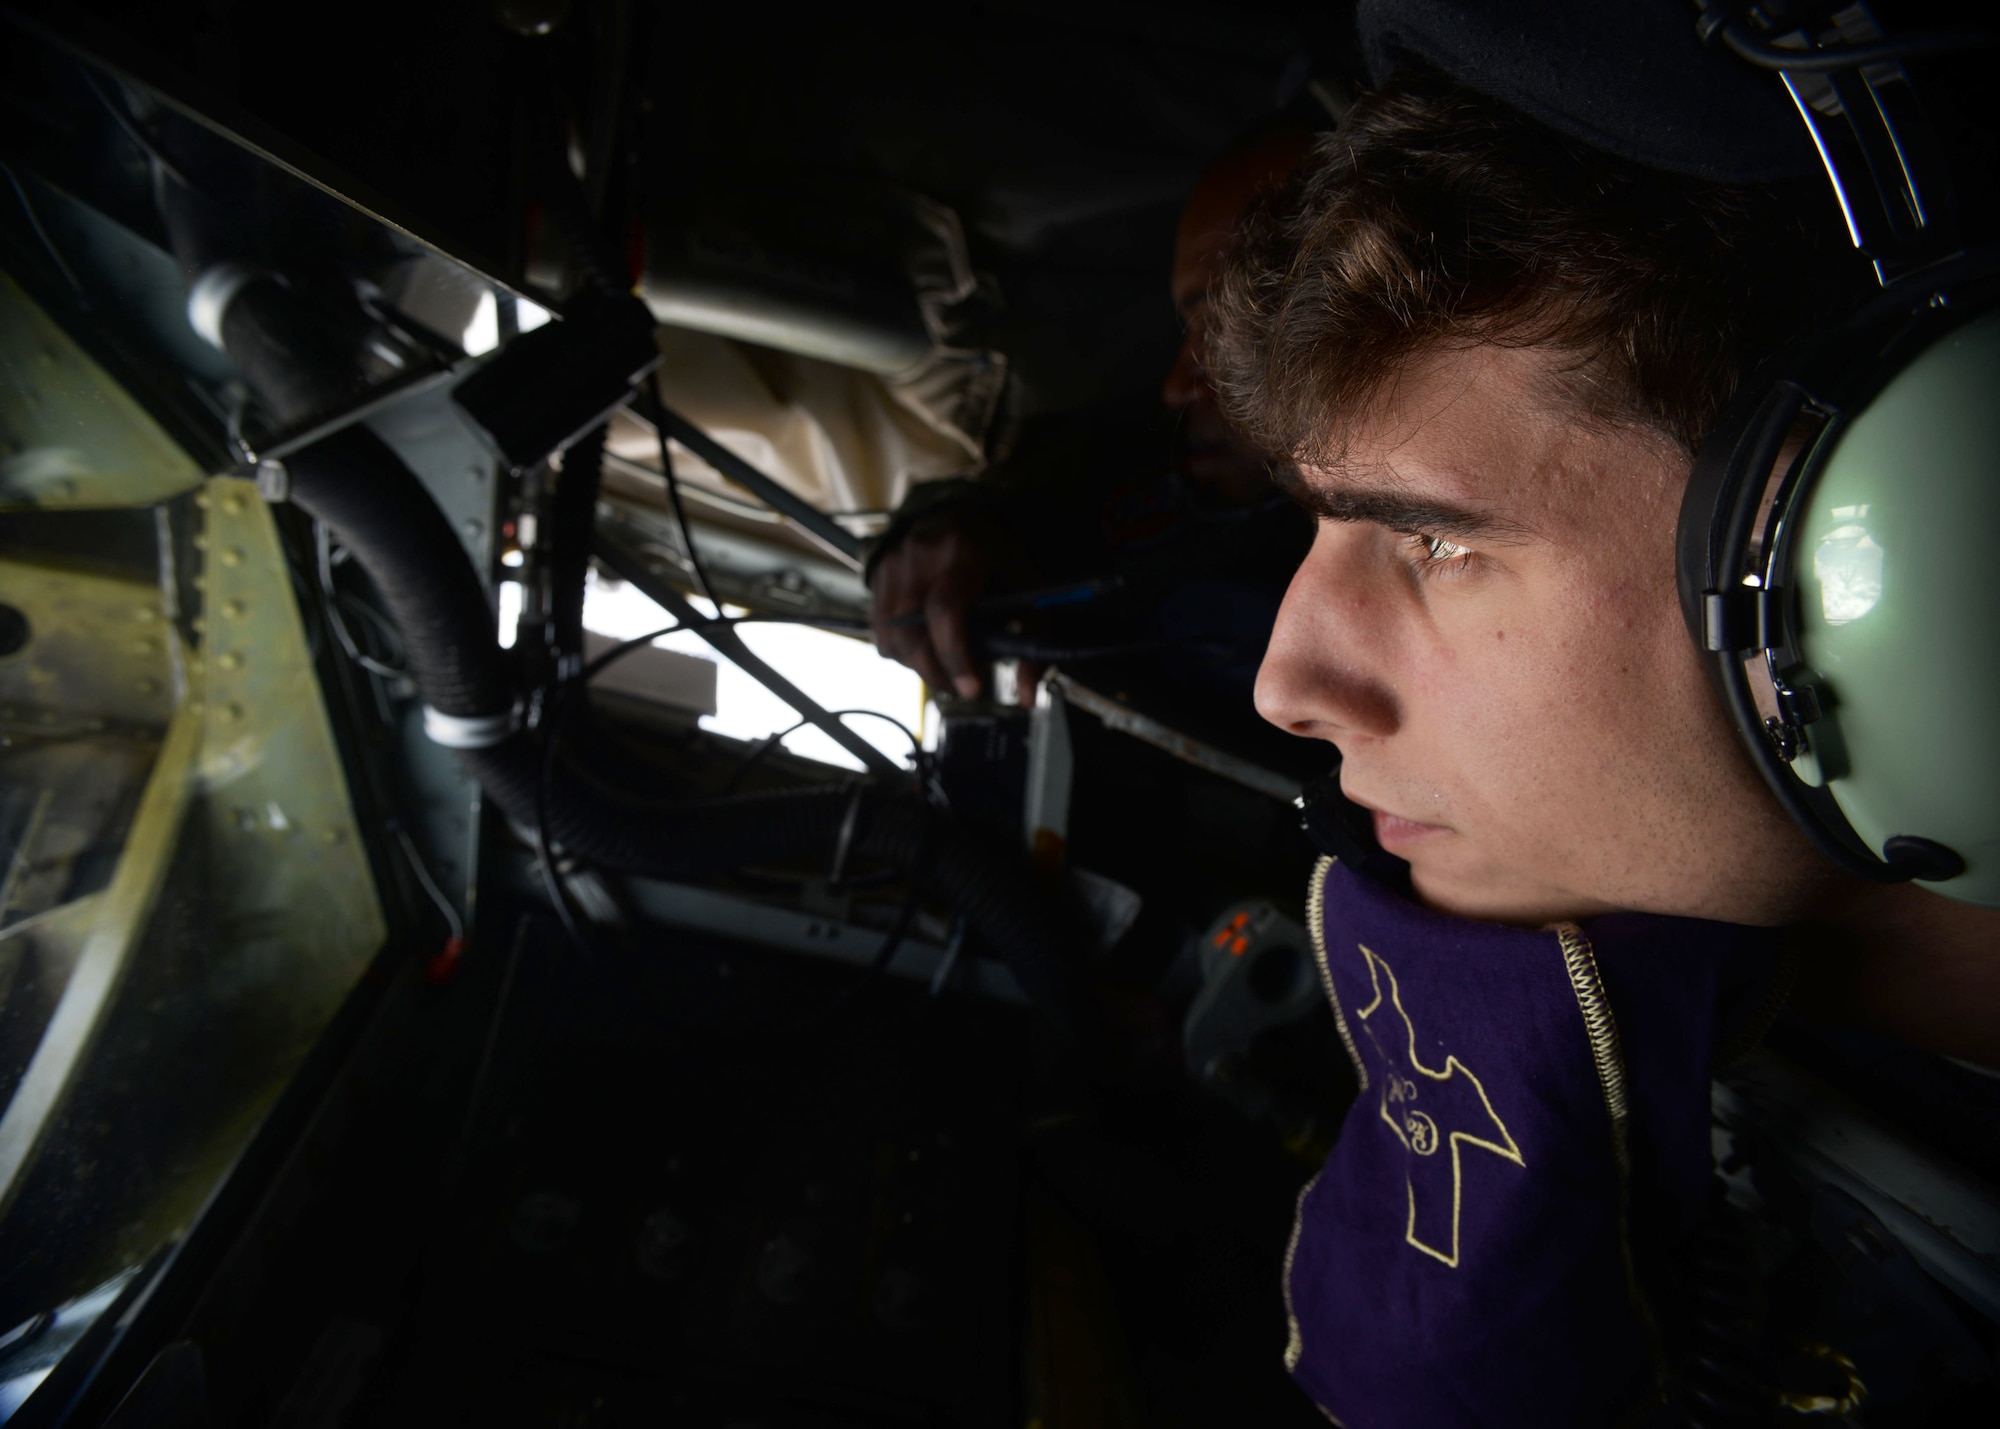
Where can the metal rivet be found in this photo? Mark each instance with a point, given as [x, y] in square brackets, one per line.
[333, 836]
[200, 500]
[235, 609]
[233, 505]
[147, 687]
[232, 557]
[143, 613]
[144, 646]
[230, 661]
[232, 712]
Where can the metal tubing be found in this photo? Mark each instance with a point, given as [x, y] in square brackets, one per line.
[809, 518]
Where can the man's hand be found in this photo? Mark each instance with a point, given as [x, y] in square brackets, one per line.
[937, 571]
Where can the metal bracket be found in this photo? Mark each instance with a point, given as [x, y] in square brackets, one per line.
[1748, 618]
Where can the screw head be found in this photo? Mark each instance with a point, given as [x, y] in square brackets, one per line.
[1784, 738]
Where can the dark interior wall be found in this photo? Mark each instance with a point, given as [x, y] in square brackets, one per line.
[412, 100]
[1066, 136]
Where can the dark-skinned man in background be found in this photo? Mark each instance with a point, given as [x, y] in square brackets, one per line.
[1078, 495]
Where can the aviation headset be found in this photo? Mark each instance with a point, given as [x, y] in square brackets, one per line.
[1857, 653]
[1829, 549]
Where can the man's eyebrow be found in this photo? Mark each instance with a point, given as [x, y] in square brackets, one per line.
[1396, 512]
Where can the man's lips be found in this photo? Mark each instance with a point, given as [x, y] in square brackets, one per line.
[1395, 833]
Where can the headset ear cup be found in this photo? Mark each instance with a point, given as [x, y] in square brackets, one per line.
[1743, 565]
[1733, 621]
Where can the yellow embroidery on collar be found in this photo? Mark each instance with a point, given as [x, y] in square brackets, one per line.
[1426, 1108]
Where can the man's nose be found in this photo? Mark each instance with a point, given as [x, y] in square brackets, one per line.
[1325, 672]
[1185, 384]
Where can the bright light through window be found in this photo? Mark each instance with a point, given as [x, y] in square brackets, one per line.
[530, 315]
[839, 672]
[510, 613]
[482, 334]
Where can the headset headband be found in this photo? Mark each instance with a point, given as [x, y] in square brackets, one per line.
[1880, 150]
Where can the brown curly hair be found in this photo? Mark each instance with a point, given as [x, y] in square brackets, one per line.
[1436, 217]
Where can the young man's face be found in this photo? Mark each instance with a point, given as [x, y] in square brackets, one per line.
[1487, 627]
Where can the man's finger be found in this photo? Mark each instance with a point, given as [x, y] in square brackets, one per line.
[953, 644]
[897, 591]
[1027, 679]
[910, 645]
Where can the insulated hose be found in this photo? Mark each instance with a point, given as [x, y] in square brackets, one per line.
[362, 492]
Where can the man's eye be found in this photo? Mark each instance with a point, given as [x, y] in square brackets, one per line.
[1436, 551]
[1433, 556]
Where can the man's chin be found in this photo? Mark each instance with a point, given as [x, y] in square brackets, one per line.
[1498, 897]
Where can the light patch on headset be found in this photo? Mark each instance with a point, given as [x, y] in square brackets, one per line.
[1848, 566]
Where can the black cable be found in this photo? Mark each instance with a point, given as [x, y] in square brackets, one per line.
[626, 562]
[559, 895]
[1745, 44]
[571, 519]
[558, 710]
[742, 507]
[879, 965]
[323, 547]
[558, 706]
[568, 206]
[391, 640]
[686, 531]
[772, 741]
[544, 855]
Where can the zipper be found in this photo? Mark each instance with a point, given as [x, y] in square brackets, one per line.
[1295, 1344]
[1316, 929]
[1600, 1027]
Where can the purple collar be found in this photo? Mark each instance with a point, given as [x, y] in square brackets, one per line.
[1532, 1130]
